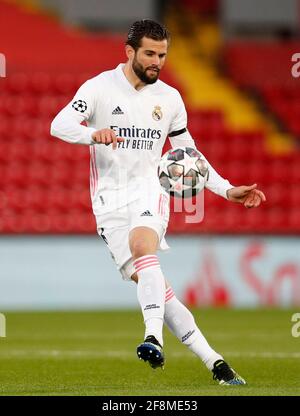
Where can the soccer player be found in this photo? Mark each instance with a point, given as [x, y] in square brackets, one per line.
[129, 114]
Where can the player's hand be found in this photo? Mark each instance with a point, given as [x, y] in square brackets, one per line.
[106, 136]
[247, 195]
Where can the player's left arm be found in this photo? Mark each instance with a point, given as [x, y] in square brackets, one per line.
[178, 132]
[179, 136]
[249, 196]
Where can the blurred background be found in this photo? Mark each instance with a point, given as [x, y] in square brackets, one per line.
[234, 63]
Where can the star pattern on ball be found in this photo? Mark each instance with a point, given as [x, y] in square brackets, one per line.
[163, 167]
[188, 163]
[177, 186]
[80, 105]
[202, 167]
[183, 172]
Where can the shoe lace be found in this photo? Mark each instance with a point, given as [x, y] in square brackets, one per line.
[222, 371]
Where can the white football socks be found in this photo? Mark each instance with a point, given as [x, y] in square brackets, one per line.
[182, 324]
[151, 294]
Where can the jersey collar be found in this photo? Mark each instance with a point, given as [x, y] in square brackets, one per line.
[124, 80]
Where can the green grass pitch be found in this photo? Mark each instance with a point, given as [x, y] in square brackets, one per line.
[93, 353]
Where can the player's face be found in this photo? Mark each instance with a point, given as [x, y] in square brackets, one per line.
[149, 59]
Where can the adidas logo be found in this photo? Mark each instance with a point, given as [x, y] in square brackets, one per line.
[152, 306]
[146, 214]
[117, 110]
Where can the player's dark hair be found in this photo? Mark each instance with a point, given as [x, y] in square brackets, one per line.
[149, 29]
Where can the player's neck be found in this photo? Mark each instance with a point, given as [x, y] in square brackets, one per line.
[132, 78]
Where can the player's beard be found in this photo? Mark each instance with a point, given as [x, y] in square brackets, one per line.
[141, 72]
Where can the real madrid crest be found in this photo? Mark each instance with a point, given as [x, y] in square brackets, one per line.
[157, 113]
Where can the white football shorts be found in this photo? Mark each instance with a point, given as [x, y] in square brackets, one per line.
[152, 210]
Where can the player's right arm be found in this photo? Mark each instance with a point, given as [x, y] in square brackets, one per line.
[67, 124]
[106, 136]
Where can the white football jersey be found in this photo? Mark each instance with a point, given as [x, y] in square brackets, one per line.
[144, 118]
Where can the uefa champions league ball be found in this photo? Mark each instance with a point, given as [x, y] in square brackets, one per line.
[183, 172]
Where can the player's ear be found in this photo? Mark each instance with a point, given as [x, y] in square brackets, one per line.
[129, 52]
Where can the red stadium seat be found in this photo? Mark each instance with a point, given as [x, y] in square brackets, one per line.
[60, 174]
[62, 224]
[39, 174]
[214, 149]
[43, 151]
[16, 174]
[40, 83]
[49, 105]
[13, 224]
[17, 83]
[278, 171]
[294, 195]
[20, 152]
[292, 217]
[64, 84]
[40, 223]
[38, 199]
[83, 199]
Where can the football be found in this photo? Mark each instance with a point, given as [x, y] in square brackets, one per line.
[183, 172]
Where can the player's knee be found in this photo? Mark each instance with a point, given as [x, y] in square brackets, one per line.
[134, 277]
[141, 247]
